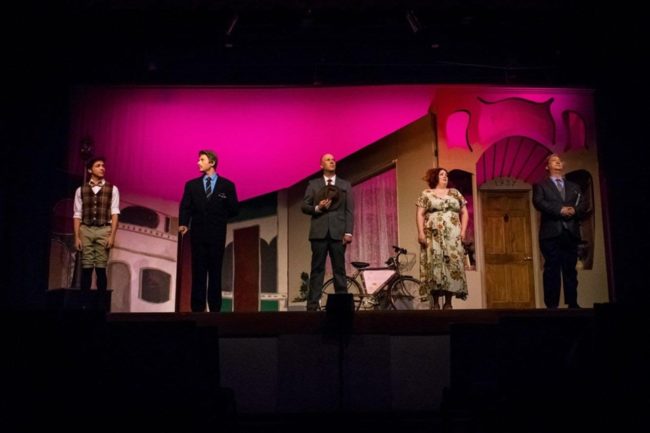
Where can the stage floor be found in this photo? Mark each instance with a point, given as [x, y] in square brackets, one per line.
[261, 324]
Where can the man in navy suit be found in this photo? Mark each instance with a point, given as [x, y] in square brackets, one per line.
[562, 206]
[207, 204]
[329, 201]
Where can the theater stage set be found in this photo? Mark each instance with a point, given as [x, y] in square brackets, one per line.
[271, 86]
[498, 362]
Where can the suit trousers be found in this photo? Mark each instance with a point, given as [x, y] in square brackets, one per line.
[207, 261]
[560, 259]
[320, 248]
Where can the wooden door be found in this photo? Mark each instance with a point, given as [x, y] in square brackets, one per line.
[508, 249]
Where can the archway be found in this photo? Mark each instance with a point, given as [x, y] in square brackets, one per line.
[505, 173]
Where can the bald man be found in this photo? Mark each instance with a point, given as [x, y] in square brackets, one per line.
[329, 201]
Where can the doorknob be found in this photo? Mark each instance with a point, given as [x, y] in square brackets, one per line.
[527, 259]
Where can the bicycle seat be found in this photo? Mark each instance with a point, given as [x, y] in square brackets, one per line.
[360, 265]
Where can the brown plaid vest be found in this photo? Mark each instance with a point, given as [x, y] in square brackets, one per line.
[96, 208]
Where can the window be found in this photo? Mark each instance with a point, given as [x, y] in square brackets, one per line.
[155, 286]
[140, 216]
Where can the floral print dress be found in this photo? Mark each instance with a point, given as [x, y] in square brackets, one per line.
[442, 268]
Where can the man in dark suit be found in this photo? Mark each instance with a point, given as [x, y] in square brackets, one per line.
[208, 201]
[329, 201]
[562, 206]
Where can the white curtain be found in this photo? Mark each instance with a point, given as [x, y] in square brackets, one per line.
[375, 220]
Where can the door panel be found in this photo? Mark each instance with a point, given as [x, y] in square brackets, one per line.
[508, 249]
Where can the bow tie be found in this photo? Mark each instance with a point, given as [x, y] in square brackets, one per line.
[94, 184]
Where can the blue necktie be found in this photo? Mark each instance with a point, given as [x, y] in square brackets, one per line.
[208, 187]
[560, 187]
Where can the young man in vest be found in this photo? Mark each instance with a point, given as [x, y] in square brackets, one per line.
[96, 210]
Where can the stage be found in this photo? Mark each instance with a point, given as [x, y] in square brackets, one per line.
[273, 324]
[456, 367]
[377, 361]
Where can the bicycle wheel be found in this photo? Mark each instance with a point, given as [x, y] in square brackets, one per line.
[352, 285]
[404, 294]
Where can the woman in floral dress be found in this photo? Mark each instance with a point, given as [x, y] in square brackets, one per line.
[442, 222]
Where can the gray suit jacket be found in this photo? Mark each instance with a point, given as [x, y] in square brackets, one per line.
[339, 219]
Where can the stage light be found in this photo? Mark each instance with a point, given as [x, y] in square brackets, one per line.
[413, 21]
[339, 315]
[232, 23]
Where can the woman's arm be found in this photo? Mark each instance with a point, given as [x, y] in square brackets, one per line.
[464, 219]
[419, 219]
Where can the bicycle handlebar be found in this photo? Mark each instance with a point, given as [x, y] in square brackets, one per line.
[399, 249]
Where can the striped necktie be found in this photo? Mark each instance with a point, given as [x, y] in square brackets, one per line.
[208, 187]
[560, 187]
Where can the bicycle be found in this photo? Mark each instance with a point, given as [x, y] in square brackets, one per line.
[384, 288]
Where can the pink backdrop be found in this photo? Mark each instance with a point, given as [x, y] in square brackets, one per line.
[266, 138]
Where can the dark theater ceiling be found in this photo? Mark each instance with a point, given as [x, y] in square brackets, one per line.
[306, 42]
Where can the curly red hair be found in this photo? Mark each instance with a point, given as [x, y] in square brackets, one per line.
[431, 176]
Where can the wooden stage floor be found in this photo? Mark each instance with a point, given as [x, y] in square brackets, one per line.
[268, 324]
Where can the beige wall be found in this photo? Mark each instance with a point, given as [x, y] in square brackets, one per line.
[592, 283]
[298, 249]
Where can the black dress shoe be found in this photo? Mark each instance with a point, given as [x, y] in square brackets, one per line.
[575, 306]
